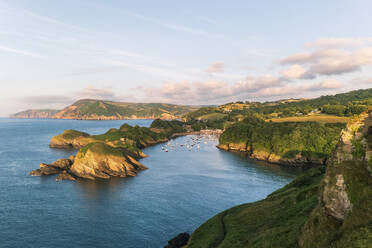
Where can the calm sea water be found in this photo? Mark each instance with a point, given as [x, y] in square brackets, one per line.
[180, 190]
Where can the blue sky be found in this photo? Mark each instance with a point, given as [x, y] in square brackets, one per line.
[188, 52]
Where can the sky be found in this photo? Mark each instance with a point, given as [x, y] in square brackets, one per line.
[53, 52]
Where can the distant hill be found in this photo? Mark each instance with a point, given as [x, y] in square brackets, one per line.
[90, 109]
[35, 113]
[343, 105]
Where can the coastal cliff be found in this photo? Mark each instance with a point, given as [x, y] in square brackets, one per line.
[35, 114]
[98, 160]
[293, 144]
[324, 207]
[91, 109]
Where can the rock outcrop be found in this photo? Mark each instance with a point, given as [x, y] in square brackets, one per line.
[344, 212]
[298, 160]
[98, 160]
[57, 167]
[95, 160]
[325, 206]
[353, 146]
[179, 241]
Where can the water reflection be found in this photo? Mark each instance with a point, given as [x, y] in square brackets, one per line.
[101, 190]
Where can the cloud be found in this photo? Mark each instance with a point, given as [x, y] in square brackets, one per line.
[21, 52]
[96, 93]
[328, 62]
[329, 84]
[50, 100]
[295, 71]
[331, 42]
[217, 66]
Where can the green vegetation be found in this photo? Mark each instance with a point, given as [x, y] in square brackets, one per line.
[326, 108]
[316, 210]
[273, 222]
[96, 109]
[310, 139]
[321, 230]
[73, 134]
[316, 118]
[100, 148]
[130, 138]
[173, 126]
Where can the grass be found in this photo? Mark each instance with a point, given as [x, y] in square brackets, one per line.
[273, 222]
[212, 116]
[322, 230]
[317, 118]
[72, 134]
[100, 148]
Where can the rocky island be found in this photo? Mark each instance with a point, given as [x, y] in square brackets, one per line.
[112, 154]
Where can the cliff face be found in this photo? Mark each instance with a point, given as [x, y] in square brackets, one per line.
[91, 109]
[287, 143]
[324, 207]
[95, 160]
[343, 216]
[98, 160]
[300, 159]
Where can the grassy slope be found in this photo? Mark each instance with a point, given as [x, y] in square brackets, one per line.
[273, 222]
[312, 139]
[317, 118]
[322, 230]
[88, 107]
[296, 216]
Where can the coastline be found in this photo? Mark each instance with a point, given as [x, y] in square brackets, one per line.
[298, 161]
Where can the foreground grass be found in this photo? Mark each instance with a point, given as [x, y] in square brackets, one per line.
[273, 222]
[317, 118]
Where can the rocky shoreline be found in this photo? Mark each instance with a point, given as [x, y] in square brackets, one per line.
[272, 158]
[112, 154]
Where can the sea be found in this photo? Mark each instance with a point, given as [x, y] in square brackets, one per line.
[185, 185]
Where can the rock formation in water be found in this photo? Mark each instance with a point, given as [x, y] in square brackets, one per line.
[98, 160]
[95, 160]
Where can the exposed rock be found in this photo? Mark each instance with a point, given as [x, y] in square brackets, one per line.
[45, 169]
[335, 198]
[98, 160]
[62, 163]
[353, 146]
[178, 241]
[64, 175]
[298, 160]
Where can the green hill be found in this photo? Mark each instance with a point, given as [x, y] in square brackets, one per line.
[341, 105]
[324, 207]
[90, 109]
